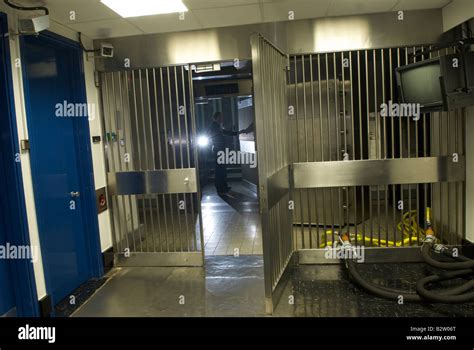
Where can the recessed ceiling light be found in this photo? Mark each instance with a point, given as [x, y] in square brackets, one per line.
[137, 8]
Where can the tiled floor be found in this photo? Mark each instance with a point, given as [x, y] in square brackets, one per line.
[227, 286]
[231, 223]
[234, 286]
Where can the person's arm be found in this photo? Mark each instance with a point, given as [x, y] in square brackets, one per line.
[230, 133]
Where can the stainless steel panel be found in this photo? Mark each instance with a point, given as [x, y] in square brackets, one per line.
[378, 172]
[153, 182]
[278, 186]
[313, 35]
[269, 74]
[371, 255]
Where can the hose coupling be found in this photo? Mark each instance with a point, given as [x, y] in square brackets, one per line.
[440, 248]
[429, 239]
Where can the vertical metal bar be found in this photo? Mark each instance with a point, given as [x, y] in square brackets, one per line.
[440, 185]
[331, 194]
[400, 138]
[168, 143]
[384, 120]
[367, 95]
[161, 151]
[337, 131]
[313, 116]
[448, 185]
[344, 132]
[361, 143]
[410, 230]
[300, 192]
[129, 142]
[173, 151]
[377, 140]
[306, 148]
[180, 136]
[353, 149]
[140, 167]
[418, 212]
[394, 200]
[196, 162]
[322, 148]
[127, 165]
[193, 239]
[152, 163]
[145, 161]
[160, 164]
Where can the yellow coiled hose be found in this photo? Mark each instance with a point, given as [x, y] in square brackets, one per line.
[408, 226]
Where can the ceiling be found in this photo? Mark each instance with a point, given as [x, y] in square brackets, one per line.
[95, 20]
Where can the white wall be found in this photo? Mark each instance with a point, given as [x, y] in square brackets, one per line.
[457, 12]
[97, 150]
[98, 156]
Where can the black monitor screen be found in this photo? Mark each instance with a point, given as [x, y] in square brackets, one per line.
[421, 84]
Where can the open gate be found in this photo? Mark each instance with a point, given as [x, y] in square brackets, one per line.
[154, 195]
[271, 116]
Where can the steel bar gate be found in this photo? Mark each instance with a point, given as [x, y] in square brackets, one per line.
[269, 74]
[358, 171]
[154, 195]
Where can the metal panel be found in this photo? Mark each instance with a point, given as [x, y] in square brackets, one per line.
[299, 36]
[278, 185]
[370, 255]
[153, 182]
[269, 73]
[148, 121]
[378, 172]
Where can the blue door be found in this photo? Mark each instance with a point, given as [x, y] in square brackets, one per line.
[60, 162]
[7, 298]
[17, 283]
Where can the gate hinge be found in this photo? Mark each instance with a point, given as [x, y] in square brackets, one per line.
[97, 79]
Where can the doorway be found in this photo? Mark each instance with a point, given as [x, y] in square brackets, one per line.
[223, 95]
[61, 162]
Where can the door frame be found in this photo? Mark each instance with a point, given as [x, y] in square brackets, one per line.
[23, 278]
[84, 155]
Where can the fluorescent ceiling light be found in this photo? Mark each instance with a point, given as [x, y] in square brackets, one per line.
[137, 8]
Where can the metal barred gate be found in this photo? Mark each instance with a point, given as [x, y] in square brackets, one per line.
[269, 75]
[154, 195]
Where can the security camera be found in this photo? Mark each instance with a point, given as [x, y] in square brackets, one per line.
[33, 25]
[106, 50]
